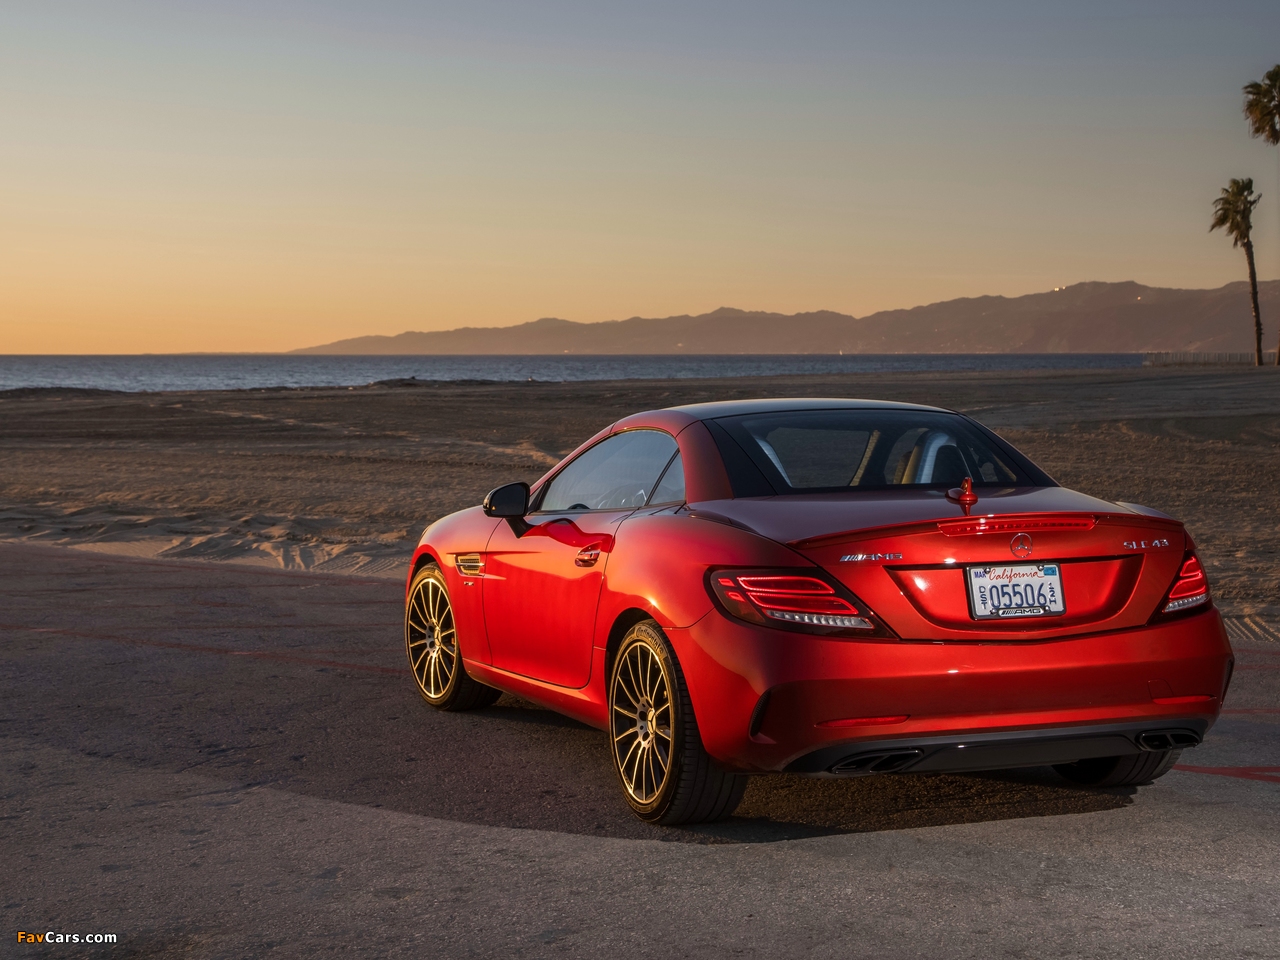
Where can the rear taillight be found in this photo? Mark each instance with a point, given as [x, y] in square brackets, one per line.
[1190, 588]
[781, 598]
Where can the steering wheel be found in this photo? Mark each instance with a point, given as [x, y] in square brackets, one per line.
[623, 496]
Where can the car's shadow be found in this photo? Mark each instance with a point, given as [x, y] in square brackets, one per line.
[781, 807]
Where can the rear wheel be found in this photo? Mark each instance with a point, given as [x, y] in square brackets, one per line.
[431, 642]
[666, 775]
[1127, 771]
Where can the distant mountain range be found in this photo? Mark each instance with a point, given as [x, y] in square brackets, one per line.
[1084, 318]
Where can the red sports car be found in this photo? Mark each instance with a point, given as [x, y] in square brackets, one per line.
[823, 587]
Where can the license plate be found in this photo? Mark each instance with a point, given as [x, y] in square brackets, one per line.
[1015, 590]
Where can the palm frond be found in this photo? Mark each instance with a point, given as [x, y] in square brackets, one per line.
[1262, 106]
[1233, 210]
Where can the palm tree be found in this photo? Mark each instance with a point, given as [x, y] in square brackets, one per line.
[1262, 110]
[1233, 212]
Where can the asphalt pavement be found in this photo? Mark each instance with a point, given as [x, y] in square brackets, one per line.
[209, 760]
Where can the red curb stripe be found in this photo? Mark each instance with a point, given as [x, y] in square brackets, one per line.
[196, 648]
[1265, 774]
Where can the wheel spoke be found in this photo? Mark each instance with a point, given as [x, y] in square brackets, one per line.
[637, 695]
[643, 786]
[659, 692]
[426, 600]
[638, 771]
[620, 684]
[420, 604]
[627, 692]
[647, 663]
[625, 713]
[630, 776]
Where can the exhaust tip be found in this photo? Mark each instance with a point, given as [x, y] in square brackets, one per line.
[863, 764]
[1168, 739]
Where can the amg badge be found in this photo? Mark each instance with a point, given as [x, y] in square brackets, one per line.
[855, 557]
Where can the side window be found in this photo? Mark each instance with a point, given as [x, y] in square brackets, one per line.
[671, 487]
[616, 474]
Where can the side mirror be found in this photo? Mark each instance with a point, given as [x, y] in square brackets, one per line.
[511, 500]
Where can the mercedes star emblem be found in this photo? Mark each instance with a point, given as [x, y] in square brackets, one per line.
[1021, 546]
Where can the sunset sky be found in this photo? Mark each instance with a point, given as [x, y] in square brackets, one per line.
[266, 175]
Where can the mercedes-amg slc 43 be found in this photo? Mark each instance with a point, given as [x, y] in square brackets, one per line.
[837, 588]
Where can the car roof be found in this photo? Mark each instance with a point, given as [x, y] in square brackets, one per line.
[730, 408]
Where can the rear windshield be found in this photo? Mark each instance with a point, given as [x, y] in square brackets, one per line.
[811, 451]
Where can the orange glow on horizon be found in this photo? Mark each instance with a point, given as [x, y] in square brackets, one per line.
[229, 178]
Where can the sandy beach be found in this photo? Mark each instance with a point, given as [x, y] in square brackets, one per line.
[223, 759]
[344, 479]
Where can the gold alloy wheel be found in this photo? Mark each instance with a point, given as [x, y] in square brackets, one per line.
[430, 637]
[640, 721]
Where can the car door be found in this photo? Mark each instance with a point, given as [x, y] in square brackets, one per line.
[543, 575]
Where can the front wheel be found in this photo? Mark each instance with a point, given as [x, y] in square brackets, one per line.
[1127, 771]
[666, 775]
[431, 642]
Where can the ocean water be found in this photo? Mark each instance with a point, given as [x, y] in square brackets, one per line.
[156, 372]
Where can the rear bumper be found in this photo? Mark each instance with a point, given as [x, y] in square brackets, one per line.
[766, 700]
[998, 751]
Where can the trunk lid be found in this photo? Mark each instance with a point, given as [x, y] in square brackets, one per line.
[905, 554]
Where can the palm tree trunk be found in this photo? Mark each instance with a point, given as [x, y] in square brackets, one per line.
[1257, 315]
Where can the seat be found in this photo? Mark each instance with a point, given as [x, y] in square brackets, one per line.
[949, 466]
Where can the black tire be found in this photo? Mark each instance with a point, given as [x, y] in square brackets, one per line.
[666, 775]
[1129, 771]
[431, 644]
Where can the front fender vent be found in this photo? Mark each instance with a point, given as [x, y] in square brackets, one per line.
[471, 564]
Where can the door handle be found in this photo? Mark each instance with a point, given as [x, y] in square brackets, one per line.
[588, 556]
